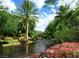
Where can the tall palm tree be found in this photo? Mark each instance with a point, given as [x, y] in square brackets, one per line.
[29, 14]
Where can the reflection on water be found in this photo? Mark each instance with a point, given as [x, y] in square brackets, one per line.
[19, 51]
[13, 51]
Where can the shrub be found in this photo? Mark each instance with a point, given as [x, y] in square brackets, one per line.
[65, 50]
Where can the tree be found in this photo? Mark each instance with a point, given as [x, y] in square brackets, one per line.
[29, 16]
[8, 23]
[57, 22]
[65, 24]
[30, 13]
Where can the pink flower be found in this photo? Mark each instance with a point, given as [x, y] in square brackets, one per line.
[62, 49]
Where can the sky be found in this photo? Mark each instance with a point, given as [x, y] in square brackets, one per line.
[45, 14]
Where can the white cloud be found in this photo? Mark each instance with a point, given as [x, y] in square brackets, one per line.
[42, 23]
[11, 5]
[72, 3]
[59, 3]
[68, 2]
[39, 3]
[54, 11]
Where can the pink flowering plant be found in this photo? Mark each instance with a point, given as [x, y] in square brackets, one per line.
[65, 50]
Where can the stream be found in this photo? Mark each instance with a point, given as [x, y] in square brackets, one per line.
[17, 51]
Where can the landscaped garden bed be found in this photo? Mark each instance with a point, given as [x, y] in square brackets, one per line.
[65, 50]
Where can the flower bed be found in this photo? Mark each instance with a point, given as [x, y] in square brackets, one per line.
[65, 50]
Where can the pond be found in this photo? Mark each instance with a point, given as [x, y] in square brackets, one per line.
[18, 51]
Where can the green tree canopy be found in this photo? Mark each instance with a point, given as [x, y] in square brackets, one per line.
[65, 26]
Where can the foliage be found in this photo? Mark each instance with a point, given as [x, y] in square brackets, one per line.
[13, 24]
[29, 18]
[50, 2]
[8, 23]
[65, 25]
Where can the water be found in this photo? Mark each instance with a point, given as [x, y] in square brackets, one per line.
[40, 45]
[18, 51]
[13, 51]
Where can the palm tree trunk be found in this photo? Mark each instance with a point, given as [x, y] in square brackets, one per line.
[27, 38]
[27, 31]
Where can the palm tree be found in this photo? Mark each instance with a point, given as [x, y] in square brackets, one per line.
[59, 20]
[66, 19]
[29, 14]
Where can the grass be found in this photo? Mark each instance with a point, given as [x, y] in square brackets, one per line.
[11, 41]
